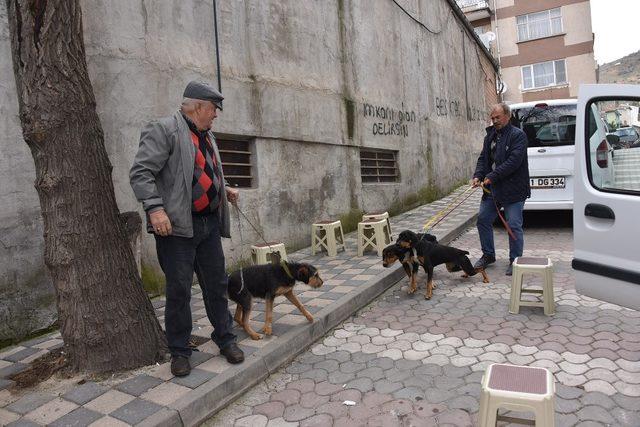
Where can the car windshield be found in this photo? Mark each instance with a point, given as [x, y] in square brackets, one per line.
[547, 125]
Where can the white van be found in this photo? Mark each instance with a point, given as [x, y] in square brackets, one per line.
[550, 129]
[605, 215]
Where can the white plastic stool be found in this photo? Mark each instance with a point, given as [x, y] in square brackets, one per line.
[379, 215]
[517, 388]
[262, 254]
[542, 266]
[327, 235]
[373, 233]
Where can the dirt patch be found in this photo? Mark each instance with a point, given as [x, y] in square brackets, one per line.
[42, 369]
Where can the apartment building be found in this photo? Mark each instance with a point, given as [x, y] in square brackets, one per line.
[544, 47]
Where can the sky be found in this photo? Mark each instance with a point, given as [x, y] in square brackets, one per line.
[616, 24]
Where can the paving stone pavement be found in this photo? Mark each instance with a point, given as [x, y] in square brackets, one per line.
[152, 395]
[407, 361]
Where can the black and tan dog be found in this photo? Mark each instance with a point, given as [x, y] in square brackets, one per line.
[267, 282]
[395, 252]
[431, 254]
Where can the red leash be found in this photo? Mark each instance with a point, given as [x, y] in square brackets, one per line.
[504, 222]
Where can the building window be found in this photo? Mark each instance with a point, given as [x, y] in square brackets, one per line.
[544, 74]
[540, 24]
[379, 166]
[236, 162]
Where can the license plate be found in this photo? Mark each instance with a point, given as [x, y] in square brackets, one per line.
[547, 182]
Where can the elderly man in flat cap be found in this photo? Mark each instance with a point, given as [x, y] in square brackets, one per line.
[177, 176]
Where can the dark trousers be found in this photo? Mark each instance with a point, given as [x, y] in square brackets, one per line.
[513, 216]
[179, 257]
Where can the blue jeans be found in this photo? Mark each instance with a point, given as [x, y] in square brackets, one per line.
[513, 215]
[179, 257]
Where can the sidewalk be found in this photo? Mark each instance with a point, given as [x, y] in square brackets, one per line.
[152, 396]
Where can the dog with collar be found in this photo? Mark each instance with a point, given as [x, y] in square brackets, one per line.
[266, 282]
[406, 256]
[431, 254]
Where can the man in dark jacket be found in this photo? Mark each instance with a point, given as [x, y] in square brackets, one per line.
[503, 169]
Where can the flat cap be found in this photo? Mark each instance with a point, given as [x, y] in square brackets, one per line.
[204, 91]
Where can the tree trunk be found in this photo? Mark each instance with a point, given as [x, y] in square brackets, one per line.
[106, 318]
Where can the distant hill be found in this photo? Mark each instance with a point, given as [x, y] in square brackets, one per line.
[623, 70]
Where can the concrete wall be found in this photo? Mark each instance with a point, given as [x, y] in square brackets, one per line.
[580, 70]
[26, 294]
[292, 71]
[576, 22]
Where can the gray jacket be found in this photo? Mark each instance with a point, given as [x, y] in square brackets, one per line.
[162, 174]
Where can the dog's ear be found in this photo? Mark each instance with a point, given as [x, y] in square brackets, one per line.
[303, 274]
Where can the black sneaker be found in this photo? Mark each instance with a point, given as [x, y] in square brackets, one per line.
[233, 353]
[180, 366]
[509, 271]
[484, 261]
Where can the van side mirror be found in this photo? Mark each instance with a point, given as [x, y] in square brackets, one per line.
[613, 138]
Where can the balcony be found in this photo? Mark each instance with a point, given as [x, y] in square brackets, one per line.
[475, 9]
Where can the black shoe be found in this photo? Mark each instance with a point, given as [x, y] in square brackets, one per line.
[484, 261]
[509, 271]
[233, 353]
[180, 366]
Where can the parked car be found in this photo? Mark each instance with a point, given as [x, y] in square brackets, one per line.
[627, 136]
[550, 129]
[605, 215]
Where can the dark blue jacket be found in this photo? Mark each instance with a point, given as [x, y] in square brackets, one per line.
[510, 178]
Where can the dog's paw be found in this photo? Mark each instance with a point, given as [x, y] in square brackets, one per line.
[486, 281]
[256, 337]
[427, 297]
[465, 275]
[267, 330]
[309, 317]
[412, 290]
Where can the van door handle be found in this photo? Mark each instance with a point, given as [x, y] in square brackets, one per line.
[542, 150]
[599, 211]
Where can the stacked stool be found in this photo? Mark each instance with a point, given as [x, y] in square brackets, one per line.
[517, 388]
[373, 233]
[379, 215]
[327, 235]
[263, 254]
[542, 266]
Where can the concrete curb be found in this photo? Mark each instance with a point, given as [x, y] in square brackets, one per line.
[215, 394]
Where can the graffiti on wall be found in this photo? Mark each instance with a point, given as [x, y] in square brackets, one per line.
[389, 121]
[453, 108]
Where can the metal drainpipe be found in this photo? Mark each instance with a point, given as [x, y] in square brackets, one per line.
[215, 28]
[495, 11]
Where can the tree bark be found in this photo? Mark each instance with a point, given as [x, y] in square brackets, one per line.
[106, 319]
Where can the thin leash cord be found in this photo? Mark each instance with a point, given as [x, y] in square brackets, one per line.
[241, 244]
[440, 215]
[239, 212]
[504, 222]
[252, 226]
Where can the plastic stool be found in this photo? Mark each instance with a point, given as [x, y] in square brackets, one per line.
[542, 266]
[327, 235]
[373, 233]
[379, 215]
[517, 388]
[262, 254]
